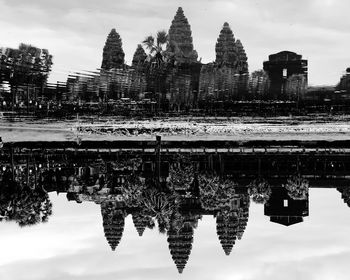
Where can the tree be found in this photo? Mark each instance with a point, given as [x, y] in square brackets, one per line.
[156, 47]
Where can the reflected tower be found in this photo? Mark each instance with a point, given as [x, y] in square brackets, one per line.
[180, 245]
[141, 222]
[231, 224]
[226, 229]
[113, 223]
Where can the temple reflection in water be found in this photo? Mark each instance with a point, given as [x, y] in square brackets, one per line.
[170, 191]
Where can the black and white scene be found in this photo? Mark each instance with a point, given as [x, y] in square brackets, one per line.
[185, 139]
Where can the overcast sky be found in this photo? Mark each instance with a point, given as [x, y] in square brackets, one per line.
[75, 31]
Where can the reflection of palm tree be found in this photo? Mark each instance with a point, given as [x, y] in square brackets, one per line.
[161, 206]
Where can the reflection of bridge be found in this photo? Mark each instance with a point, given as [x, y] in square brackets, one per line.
[251, 146]
[323, 163]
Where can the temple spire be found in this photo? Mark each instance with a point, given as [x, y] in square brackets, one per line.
[242, 57]
[113, 54]
[113, 224]
[139, 56]
[180, 245]
[226, 229]
[225, 48]
[230, 52]
[180, 39]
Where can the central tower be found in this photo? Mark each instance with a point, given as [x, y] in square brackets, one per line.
[180, 39]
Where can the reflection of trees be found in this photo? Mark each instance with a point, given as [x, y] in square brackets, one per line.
[26, 206]
[159, 205]
[260, 191]
[215, 192]
[297, 187]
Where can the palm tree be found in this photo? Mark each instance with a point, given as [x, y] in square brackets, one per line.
[156, 46]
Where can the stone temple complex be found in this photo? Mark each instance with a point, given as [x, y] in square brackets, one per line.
[174, 79]
[178, 81]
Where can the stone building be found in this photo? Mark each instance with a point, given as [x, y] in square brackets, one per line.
[280, 67]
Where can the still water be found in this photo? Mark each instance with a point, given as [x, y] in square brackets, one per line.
[69, 215]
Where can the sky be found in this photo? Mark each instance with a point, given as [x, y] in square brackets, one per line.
[75, 31]
[72, 246]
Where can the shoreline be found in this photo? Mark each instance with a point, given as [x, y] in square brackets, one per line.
[199, 129]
